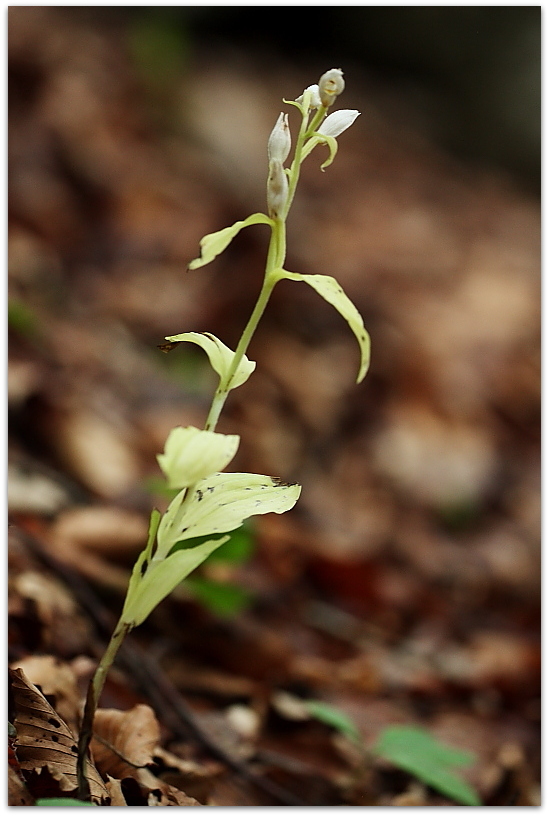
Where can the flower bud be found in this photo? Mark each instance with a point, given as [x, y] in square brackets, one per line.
[280, 140]
[191, 455]
[337, 122]
[330, 85]
[277, 188]
[314, 100]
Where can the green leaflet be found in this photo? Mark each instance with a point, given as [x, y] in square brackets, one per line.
[221, 503]
[332, 292]
[213, 244]
[160, 578]
[220, 355]
[191, 455]
[416, 751]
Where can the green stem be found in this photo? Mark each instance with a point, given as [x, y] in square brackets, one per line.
[92, 699]
[306, 130]
[275, 259]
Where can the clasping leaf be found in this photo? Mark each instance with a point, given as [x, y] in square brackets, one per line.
[221, 503]
[332, 292]
[213, 244]
[220, 355]
[160, 577]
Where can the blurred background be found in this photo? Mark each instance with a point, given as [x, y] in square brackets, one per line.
[135, 131]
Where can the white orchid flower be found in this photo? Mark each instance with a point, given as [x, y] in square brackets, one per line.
[337, 122]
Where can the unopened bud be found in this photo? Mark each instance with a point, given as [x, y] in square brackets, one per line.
[280, 140]
[277, 188]
[314, 97]
[330, 85]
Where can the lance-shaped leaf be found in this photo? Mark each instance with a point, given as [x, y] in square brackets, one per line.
[332, 292]
[213, 244]
[190, 455]
[220, 355]
[160, 578]
[221, 503]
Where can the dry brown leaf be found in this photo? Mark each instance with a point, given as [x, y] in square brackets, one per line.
[165, 795]
[63, 625]
[45, 744]
[101, 528]
[195, 778]
[33, 492]
[18, 794]
[55, 678]
[133, 734]
[83, 536]
[97, 453]
[114, 787]
[149, 791]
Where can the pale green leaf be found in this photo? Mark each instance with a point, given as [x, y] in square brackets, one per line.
[416, 751]
[145, 556]
[156, 515]
[213, 244]
[191, 454]
[161, 577]
[332, 716]
[167, 530]
[221, 503]
[332, 292]
[220, 355]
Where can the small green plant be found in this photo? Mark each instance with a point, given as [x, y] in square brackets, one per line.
[414, 750]
[210, 503]
[409, 748]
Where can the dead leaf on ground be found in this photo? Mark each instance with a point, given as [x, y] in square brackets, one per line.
[18, 794]
[96, 452]
[87, 537]
[114, 787]
[133, 735]
[45, 746]
[195, 778]
[63, 624]
[55, 679]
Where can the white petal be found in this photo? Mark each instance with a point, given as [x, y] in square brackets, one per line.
[337, 122]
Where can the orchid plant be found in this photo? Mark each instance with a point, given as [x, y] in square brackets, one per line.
[211, 503]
